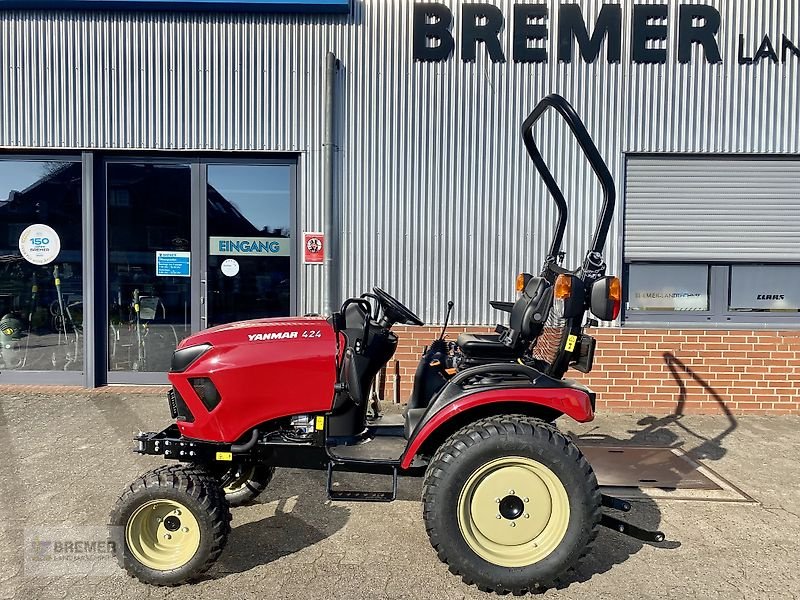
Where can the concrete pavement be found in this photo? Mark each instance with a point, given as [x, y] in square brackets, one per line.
[65, 459]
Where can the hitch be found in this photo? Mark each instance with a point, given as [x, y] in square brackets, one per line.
[624, 528]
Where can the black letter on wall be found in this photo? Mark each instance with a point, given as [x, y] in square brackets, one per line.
[704, 34]
[786, 46]
[740, 56]
[643, 32]
[473, 32]
[525, 32]
[439, 31]
[766, 50]
[571, 23]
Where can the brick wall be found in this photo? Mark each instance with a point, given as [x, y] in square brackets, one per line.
[660, 371]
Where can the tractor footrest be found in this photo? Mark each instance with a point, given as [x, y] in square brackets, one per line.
[359, 496]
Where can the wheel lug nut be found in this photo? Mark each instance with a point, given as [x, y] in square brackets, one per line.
[167, 536]
[158, 519]
[177, 511]
[497, 500]
[510, 492]
[498, 517]
[527, 516]
[513, 524]
[525, 500]
[186, 529]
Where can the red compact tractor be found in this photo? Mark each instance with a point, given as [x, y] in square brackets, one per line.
[510, 503]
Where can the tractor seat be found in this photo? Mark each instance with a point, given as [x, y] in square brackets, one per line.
[484, 345]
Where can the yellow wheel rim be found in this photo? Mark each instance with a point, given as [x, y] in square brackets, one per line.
[163, 535]
[239, 479]
[513, 511]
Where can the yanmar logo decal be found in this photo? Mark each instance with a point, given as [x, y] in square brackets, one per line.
[272, 335]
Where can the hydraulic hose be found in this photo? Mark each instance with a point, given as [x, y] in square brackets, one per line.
[248, 445]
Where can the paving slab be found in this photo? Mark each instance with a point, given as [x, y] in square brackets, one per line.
[67, 456]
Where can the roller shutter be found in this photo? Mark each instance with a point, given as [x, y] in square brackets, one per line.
[712, 209]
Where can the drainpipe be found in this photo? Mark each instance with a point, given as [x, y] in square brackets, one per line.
[329, 150]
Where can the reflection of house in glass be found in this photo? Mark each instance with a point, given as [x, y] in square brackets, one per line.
[39, 330]
[54, 200]
[228, 220]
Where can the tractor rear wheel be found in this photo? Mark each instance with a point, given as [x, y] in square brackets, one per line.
[170, 525]
[242, 483]
[510, 504]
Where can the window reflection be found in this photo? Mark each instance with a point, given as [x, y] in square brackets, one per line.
[41, 305]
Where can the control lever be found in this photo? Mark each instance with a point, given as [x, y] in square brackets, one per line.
[450, 305]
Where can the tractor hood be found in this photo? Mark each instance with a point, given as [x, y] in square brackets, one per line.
[255, 371]
[257, 330]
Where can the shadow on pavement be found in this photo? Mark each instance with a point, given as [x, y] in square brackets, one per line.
[302, 518]
[656, 431]
[612, 548]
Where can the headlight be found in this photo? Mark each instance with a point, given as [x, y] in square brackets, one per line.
[182, 359]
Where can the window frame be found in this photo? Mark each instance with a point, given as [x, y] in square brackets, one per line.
[719, 316]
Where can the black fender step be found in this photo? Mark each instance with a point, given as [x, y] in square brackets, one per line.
[359, 496]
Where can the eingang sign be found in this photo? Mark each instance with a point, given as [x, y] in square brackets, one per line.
[305, 6]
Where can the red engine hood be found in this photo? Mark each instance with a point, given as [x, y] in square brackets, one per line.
[240, 331]
[263, 369]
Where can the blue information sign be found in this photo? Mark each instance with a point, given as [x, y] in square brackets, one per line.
[173, 264]
[306, 6]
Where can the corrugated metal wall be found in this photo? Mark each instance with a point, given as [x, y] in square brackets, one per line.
[438, 199]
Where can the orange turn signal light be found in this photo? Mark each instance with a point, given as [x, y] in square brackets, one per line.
[563, 288]
[615, 295]
[520, 283]
[615, 289]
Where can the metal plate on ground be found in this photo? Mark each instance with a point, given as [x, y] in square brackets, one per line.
[651, 472]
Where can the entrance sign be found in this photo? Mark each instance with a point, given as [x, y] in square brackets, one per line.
[300, 6]
[173, 264]
[248, 246]
[313, 248]
[39, 244]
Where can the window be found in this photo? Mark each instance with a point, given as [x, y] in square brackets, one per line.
[41, 265]
[684, 293]
[668, 287]
[765, 288]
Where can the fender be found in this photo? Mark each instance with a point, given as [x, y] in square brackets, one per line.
[572, 401]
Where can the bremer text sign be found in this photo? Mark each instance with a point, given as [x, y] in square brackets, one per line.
[698, 25]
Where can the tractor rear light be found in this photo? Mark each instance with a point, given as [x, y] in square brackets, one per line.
[615, 295]
[206, 391]
[606, 298]
[177, 407]
[521, 282]
[563, 288]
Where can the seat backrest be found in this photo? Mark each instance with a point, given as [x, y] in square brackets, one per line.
[529, 313]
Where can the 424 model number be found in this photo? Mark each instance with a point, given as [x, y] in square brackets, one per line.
[311, 333]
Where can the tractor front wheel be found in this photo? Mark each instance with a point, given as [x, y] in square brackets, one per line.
[510, 504]
[170, 525]
[242, 483]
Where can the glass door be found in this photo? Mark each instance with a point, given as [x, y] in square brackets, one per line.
[149, 266]
[192, 244]
[248, 266]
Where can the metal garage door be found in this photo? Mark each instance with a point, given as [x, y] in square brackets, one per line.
[707, 209]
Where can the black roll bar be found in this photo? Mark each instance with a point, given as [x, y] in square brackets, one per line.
[578, 129]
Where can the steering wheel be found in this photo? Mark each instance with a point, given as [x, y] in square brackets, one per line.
[394, 311]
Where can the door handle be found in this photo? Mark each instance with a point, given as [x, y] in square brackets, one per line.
[204, 301]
